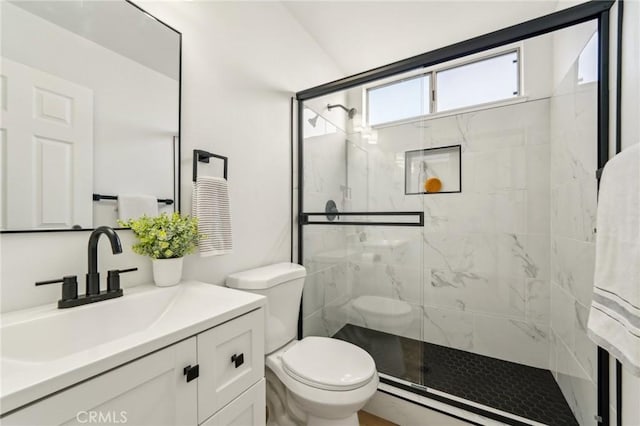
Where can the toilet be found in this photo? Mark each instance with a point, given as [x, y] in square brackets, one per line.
[327, 380]
[383, 313]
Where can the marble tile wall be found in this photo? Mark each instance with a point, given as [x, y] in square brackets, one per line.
[572, 220]
[476, 277]
[326, 286]
[324, 170]
[485, 258]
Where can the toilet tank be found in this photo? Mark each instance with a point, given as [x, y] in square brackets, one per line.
[282, 284]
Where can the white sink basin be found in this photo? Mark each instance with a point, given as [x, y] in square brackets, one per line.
[45, 349]
[63, 332]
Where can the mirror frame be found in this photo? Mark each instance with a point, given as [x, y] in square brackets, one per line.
[177, 170]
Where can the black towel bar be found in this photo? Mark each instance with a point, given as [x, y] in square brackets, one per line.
[98, 197]
[203, 156]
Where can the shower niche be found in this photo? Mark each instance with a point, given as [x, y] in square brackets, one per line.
[433, 170]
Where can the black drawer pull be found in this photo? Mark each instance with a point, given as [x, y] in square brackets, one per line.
[192, 372]
[238, 360]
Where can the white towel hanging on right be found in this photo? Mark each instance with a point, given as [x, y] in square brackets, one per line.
[614, 318]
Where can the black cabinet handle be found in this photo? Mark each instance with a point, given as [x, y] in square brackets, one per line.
[192, 372]
[238, 360]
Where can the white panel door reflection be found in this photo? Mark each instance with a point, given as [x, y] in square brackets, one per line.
[47, 127]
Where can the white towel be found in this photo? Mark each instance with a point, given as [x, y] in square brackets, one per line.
[614, 319]
[133, 206]
[210, 204]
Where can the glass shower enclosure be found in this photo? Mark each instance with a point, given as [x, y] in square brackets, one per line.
[447, 226]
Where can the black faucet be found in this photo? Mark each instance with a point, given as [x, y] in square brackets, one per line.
[93, 277]
[93, 294]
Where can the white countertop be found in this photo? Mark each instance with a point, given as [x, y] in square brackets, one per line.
[33, 366]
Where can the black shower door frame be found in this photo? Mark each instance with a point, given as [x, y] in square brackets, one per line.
[592, 10]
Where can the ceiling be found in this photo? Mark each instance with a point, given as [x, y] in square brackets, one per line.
[357, 35]
[361, 35]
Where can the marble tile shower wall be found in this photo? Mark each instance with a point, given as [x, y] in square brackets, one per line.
[573, 213]
[326, 286]
[477, 275]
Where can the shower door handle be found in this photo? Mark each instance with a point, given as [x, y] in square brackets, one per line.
[345, 218]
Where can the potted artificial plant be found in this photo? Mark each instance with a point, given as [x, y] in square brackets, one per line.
[166, 239]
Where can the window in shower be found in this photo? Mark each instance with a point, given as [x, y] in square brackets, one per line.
[467, 85]
[400, 100]
[588, 61]
[446, 89]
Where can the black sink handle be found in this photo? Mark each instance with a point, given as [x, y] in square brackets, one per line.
[69, 286]
[113, 278]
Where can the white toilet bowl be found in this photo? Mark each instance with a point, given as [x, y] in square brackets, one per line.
[327, 380]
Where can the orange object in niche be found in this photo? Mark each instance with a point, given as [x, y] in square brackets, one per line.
[433, 184]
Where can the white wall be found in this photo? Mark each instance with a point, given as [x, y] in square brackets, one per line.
[241, 64]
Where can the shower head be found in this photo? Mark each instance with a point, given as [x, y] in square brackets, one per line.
[350, 112]
[313, 121]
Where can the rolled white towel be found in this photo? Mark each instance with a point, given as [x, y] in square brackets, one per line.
[210, 204]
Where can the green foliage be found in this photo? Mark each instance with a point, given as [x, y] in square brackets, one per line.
[165, 236]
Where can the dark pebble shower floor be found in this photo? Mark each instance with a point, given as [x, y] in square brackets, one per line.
[514, 388]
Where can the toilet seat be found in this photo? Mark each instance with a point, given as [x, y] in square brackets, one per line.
[328, 364]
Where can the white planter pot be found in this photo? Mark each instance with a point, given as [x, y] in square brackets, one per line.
[167, 272]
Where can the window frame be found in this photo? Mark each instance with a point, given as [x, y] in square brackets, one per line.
[433, 93]
[421, 74]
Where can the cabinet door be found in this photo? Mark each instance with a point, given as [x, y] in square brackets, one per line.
[149, 391]
[249, 409]
[231, 359]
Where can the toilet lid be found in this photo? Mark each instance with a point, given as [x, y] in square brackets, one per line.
[328, 364]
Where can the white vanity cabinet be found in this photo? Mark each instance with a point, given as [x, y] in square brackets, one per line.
[231, 358]
[154, 390]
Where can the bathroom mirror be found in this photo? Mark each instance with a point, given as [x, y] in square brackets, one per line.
[90, 98]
